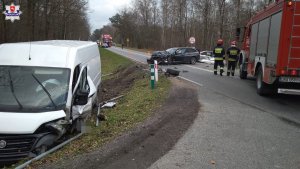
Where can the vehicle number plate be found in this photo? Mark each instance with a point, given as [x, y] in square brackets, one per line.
[290, 79]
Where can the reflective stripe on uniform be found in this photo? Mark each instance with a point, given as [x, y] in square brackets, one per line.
[218, 50]
[233, 52]
[231, 59]
[216, 58]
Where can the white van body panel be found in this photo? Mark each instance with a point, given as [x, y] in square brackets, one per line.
[54, 53]
[24, 123]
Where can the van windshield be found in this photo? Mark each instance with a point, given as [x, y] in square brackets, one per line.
[33, 89]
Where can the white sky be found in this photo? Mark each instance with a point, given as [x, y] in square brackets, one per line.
[101, 10]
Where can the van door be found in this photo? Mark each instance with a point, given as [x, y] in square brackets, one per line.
[83, 95]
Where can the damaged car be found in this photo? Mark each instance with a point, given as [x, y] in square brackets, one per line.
[188, 55]
[48, 88]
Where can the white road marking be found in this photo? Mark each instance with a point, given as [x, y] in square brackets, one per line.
[199, 84]
[199, 68]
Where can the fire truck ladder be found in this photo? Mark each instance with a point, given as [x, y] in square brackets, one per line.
[293, 36]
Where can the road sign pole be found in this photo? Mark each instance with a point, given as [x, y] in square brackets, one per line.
[152, 82]
[156, 70]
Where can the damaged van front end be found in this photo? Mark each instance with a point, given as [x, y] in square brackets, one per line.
[32, 109]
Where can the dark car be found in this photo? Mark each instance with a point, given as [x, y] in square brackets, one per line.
[160, 56]
[173, 55]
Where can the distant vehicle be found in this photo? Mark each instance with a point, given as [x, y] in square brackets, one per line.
[106, 39]
[178, 54]
[47, 89]
[105, 45]
[206, 55]
[271, 48]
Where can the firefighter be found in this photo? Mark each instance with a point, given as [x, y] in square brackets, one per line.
[219, 55]
[232, 53]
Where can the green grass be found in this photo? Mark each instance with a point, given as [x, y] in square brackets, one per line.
[137, 104]
[110, 61]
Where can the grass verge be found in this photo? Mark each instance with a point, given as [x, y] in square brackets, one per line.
[138, 104]
[111, 62]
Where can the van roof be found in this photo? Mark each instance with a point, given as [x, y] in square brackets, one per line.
[58, 43]
[53, 53]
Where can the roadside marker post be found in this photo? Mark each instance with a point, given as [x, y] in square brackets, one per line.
[156, 70]
[152, 82]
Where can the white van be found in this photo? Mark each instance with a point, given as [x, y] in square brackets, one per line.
[46, 89]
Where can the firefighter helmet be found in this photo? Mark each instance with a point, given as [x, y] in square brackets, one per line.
[220, 42]
[233, 43]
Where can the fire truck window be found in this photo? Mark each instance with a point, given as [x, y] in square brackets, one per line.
[263, 37]
[253, 41]
[274, 38]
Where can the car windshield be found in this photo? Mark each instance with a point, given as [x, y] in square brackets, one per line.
[171, 50]
[33, 89]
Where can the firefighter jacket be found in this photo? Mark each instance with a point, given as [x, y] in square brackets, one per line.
[233, 53]
[219, 52]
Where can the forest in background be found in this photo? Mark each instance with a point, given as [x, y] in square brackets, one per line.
[160, 24]
[46, 19]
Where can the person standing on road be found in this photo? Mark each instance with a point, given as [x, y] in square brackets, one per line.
[219, 55]
[232, 53]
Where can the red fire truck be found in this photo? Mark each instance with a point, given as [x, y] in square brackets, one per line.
[271, 48]
[106, 40]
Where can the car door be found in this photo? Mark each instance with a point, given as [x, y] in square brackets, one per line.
[189, 53]
[179, 55]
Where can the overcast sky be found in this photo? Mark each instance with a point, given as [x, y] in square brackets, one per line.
[101, 10]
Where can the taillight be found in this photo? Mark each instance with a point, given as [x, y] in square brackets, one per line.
[282, 72]
[293, 72]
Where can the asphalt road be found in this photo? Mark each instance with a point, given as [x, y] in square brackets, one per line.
[236, 128]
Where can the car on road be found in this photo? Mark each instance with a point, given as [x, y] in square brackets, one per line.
[179, 54]
[206, 55]
[160, 56]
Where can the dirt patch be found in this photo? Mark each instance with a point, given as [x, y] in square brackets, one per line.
[120, 81]
[147, 142]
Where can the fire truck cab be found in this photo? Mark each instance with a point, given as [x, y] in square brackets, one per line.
[271, 48]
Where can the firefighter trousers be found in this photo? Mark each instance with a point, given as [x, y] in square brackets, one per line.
[218, 63]
[231, 68]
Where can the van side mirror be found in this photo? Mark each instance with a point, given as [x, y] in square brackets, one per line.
[81, 97]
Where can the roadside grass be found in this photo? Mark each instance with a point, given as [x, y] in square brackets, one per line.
[111, 62]
[137, 104]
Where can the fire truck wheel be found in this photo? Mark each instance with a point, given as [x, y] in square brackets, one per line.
[261, 87]
[243, 74]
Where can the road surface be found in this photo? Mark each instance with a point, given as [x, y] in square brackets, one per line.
[235, 128]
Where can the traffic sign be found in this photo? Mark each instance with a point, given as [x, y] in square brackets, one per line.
[192, 40]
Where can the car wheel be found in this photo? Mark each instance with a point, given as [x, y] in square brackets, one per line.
[169, 59]
[193, 60]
